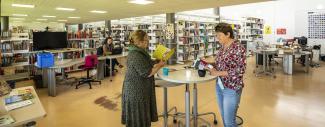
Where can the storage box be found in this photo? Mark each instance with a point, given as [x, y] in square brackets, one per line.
[45, 60]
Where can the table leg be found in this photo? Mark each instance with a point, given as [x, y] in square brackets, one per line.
[45, 78]
[306, 63]
[111, 69]
[195, 110]
[187, 105]
[63, 74]
[101, 70]
[51, 82]
[264, 64]
[165, 108]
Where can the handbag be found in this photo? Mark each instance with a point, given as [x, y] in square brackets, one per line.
[4, 88]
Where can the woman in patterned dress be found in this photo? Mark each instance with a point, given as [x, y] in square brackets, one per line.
[229, 66]
[138, 95]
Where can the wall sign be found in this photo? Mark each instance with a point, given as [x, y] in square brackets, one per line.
[267, 30]
[281, 31]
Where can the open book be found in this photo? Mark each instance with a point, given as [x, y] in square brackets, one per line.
[163, 53]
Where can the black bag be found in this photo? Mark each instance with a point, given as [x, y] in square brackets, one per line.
[100, 51]
[38, 80]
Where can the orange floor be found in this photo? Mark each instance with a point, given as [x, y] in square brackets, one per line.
[287, 101]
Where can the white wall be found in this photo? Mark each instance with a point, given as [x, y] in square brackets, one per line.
[289, 14]
[40, 26]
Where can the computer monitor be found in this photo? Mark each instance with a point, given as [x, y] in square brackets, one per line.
[302, 41]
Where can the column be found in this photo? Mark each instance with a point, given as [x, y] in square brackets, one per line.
[108, 25]
[4, 24]
[171, 43]
[80, 26]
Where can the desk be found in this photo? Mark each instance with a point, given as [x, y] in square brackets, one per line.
[289, 59]
[101, 64]
[266, 68]
[26, 114]
[49, 73]
[181, 77]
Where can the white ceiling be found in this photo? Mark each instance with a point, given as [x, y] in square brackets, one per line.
[116, 9]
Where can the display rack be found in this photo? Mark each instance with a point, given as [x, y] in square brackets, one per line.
[15, 62]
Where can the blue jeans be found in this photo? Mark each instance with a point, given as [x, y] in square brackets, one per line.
[228, 101]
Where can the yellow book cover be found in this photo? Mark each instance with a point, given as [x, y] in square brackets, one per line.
[163, 53]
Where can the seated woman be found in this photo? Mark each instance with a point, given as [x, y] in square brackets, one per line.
[108, 48]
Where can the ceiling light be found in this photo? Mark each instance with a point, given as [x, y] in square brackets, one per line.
[65, 9]
[320, 7]
[23, 15]
[23, 5]
[18, 18]
[53, 22]
[74, 17]
[36, 22]
[48, 16]
[17, 21]
[96, 11]
[142, 2]
[62, 20]
[41, 19]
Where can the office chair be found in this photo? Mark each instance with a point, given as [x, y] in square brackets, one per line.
[91, 62]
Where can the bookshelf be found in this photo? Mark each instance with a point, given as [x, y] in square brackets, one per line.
[15, 62]
[195, 39]
[252, 32]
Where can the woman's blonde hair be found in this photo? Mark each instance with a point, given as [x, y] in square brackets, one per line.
[137, 37]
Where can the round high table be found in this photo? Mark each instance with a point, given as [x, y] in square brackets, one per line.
[187, 77]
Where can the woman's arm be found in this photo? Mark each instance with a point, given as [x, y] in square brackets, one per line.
[141, 65]
[237, 68]
[156, 68]
[104, 50]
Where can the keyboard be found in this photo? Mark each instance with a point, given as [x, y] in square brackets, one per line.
[18, 105]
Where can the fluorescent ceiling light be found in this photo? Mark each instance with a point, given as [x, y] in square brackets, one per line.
[53, 22]
[48, 16]
[36, 22]
[74, 17]
[23, 15]
[41, 19]
[17, 21]
[18, 18]
[65, 9]
[23, 5]
[142, 2]
[96, 11]
[320, 7]
[62, 20]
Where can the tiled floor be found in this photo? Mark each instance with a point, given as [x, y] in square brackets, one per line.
[287, 101]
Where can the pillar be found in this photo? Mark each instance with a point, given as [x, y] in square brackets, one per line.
[171, 43]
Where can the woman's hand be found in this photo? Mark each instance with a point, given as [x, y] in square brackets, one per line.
[161, 63]
[214, 72]
[156, 67]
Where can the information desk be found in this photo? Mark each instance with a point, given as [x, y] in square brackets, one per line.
[26, 114]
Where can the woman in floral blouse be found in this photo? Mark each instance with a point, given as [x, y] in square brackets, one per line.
[229, 66]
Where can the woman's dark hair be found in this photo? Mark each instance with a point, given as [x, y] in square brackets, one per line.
[106, 39]
[225, 28]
